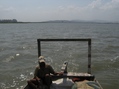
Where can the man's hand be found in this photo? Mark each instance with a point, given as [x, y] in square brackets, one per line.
[47, 75]
[60, 73]
[37, 78]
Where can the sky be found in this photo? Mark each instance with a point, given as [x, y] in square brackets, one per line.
[45, 10]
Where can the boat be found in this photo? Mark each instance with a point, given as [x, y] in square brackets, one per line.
[71, 80]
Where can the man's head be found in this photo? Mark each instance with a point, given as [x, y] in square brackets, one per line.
[41, 62]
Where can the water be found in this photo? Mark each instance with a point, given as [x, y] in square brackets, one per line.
[18, 51]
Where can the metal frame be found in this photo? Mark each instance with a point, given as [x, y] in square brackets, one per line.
[65, 40]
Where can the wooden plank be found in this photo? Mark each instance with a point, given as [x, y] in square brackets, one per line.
[81, 76]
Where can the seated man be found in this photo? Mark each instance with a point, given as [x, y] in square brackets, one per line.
[42, 75]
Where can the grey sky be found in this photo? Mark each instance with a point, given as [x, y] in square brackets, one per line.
[43, 10]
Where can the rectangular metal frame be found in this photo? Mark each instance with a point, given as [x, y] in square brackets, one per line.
[65, 40]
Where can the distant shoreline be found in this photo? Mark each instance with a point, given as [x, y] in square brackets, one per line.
[64, 21]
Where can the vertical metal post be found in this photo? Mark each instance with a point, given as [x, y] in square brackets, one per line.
[89, 56]
[39, 47]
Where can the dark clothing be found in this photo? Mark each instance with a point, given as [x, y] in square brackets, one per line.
[42, 76]
[42, 72]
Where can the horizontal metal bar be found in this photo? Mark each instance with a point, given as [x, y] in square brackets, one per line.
[64, 39]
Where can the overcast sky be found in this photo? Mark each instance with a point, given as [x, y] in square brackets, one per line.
[43, 10]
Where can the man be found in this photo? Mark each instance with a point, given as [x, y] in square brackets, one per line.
[42, 75]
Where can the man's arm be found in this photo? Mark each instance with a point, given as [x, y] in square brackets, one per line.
[36, 72]
[53, 72]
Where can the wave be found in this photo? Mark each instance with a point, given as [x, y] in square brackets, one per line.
[10, 58]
